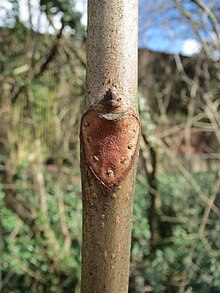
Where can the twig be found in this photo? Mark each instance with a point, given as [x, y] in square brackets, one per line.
[204, 197]
[210, 15]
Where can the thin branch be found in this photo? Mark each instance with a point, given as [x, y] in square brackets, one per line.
[210, 15]
[49, 55]
[39, 179]
[188, 16]
[152, 181]
[204, 197]
[35, 275]
[62, 215]
[46, 59]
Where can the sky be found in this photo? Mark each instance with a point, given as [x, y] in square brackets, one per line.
[40, 22]
[159, 28]
[163, 28]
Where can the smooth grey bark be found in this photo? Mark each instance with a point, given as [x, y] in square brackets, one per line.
[112, 49]
[111, 108]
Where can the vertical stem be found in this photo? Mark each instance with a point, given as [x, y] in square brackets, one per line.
[112, 49]
[62, 214]
[39, 179]
[107, 211]
[153, 192]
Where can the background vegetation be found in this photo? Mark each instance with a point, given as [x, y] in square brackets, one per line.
[176, 222]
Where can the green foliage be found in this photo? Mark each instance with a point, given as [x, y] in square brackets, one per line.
[28, 259]
[70, 18]
[182, 255]
[45, 256]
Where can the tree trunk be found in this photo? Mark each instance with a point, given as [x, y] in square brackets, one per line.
[109, 145]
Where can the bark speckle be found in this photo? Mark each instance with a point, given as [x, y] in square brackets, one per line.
[110, 173]
[123, 159]
[86, 123]
[95, 158]
[126, 198]
[89, 139]
[113, 255]
[118, 220]
[114, 196]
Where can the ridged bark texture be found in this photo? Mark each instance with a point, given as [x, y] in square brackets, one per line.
[109, 145]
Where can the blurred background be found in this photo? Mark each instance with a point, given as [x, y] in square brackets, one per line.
[176, 222]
